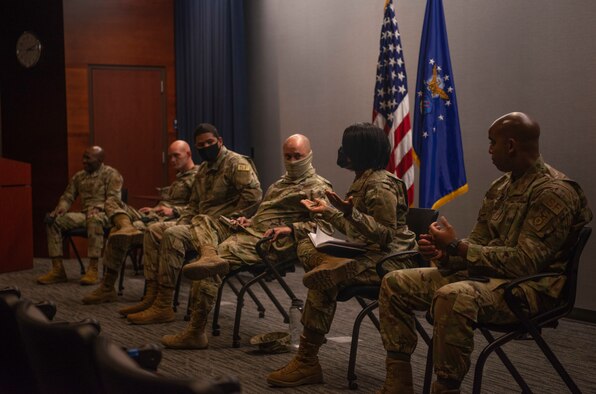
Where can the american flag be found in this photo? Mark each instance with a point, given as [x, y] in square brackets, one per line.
[391, 109]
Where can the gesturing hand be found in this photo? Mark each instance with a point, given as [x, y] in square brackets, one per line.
[344, 206]
[316, 206]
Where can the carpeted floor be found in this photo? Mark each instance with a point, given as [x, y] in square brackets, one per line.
[572, 341]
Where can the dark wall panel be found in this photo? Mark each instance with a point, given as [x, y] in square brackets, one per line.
[33, 103]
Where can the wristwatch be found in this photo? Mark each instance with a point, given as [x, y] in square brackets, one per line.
[452, 247]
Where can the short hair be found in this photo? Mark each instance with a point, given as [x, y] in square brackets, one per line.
[367, 146]
[203, 128]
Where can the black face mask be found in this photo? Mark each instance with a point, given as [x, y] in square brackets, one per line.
[342, 159]
[209, 153]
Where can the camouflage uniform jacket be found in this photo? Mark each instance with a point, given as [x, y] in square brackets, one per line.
[526, 226]
[228, 186]
[178, 193]
[281, 205]
[379, 214]
[98, 189]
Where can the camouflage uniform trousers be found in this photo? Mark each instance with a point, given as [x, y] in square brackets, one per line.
[164, 247]
[455, 303]
[70, 220]
[320, 305]
[113, 256]
[237, 248]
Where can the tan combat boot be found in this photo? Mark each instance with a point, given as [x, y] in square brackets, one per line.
[304, 368]
[208, 266]
[91, 276]
[125, 233]
[329, 271]
[193, 336]
[160, 312]
[105, 292]
[56, 274]
[399, 377]
[146, 302]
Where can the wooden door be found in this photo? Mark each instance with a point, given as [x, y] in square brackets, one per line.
[128, 120]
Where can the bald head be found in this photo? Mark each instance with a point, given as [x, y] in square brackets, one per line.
[93, 158]
[180, 156]
[514, 142]
[296, 147]
[96, 151]
[521, 128]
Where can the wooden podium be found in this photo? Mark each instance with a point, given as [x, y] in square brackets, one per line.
[16, 231]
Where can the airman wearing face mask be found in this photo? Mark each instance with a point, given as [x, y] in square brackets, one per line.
[226, 184]
[280, 215]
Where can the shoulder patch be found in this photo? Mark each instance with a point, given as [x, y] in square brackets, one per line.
[554, 203]
[243, 167]
[539, 221]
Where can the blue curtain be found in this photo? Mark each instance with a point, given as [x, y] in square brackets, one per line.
[211, 70]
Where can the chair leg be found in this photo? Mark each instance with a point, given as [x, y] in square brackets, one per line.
[428, 370]
[274, 299]
[367, 310]
[370, 313]
[495, 345]
[253, 296]
[240, 303]
[121, 280]
[553, 360]
[281, 281]
[215, 325]
[74, 248]
[136, 255]
[175, 302]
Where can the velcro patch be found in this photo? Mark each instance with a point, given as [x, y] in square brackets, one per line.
[243, 167]
[554, 203]
[540, 219]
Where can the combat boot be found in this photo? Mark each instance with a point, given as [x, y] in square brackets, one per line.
[208, 266]
[329, 271]
[105, 292]
[398, 378]
[56, 274]
[125, 233]
[193, 336]
[146, 302]
[160, 312]
[445, 387]
[91, 275]
[304, 368]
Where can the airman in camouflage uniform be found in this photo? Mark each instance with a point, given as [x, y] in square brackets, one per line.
[529, 219]
[226, 246]
[98, 185]
[175, 196]
[374, 213]
[226, 184]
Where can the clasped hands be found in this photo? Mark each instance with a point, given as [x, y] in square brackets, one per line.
[433, 246]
